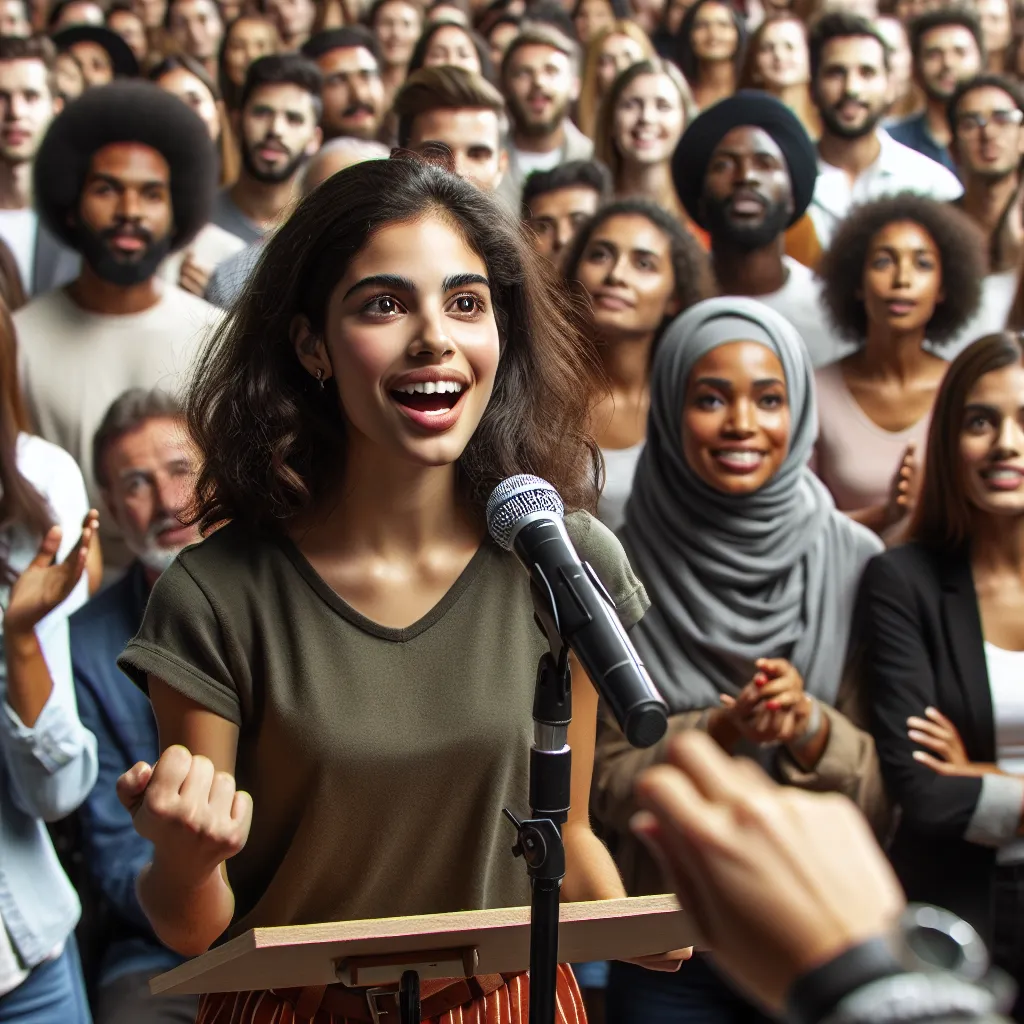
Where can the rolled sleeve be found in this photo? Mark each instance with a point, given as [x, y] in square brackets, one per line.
[997, 816]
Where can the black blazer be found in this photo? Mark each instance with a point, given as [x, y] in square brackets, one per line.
[919, 643]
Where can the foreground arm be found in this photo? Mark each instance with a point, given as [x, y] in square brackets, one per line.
[187, 806]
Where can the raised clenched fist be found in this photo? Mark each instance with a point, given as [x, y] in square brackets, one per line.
[191, 813]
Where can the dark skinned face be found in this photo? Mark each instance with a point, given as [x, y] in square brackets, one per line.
[748, 195]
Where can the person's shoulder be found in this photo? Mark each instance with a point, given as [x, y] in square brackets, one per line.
[921, 173]
[864, 543]
[913, 566]
[213, 244]
[46, 465]
[108, 604]
[598, 546]
[40, 311]
[905, 128]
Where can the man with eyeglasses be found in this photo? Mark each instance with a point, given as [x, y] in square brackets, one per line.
[948, 49]
[986, 120]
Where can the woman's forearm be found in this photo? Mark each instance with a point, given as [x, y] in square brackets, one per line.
[187, 915]
[29, 683]
[590, 872]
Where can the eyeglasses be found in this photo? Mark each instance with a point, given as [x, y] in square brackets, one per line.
[968, 124]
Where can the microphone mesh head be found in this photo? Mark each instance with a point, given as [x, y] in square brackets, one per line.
[516, 497]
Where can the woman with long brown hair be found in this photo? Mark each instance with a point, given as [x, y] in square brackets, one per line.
[642, 118]
[47, 758]
[777, 61]
[608, 54]
[399, 352]
[942, 654]
[709, 50]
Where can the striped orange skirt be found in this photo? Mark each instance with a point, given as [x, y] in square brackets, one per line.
[509, 1004]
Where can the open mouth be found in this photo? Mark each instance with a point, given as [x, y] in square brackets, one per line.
[429, 397]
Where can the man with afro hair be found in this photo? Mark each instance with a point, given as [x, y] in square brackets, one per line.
[125, 175]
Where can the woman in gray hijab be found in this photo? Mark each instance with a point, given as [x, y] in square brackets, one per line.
[752, 575]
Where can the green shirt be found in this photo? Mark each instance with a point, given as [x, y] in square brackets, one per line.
[378, 759]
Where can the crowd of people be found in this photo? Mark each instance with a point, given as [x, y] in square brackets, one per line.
[287, 287]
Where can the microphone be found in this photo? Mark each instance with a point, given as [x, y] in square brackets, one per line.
[525, 516]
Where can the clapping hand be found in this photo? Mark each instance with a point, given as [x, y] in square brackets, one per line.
[772, 707]
[904, 487]
[46, 583]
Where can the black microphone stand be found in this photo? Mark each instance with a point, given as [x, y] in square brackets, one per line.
[539, 838]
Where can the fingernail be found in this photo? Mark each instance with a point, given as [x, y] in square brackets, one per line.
[760, 680]
[918, 755]
[772, 705]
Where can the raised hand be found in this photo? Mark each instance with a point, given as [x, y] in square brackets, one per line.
[46, 583]
[904, 487]
[191, 813]
[939, 735]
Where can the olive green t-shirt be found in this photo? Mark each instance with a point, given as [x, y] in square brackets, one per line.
[378, 759]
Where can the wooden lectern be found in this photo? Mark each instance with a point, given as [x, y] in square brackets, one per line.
[370, 953]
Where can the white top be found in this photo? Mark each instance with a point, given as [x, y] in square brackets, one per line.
[529, 162]
[19, 228]
[997, 295]
[1006, 683]
[619, 470]
[799, 301]
[54, 474]
[74, 363]
[897, 169]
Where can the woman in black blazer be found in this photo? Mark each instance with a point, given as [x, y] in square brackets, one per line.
[941, 628]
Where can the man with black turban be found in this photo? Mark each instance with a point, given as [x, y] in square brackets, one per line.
[126, 174]
[745, 172]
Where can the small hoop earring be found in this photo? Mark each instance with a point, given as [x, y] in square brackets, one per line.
[320, 378]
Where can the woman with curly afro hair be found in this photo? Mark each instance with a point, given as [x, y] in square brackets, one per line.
[902, 277]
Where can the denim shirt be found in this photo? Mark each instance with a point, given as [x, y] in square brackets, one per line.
[121, 718]
[48, 769]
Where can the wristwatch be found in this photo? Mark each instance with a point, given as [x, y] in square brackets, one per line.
[928, 939]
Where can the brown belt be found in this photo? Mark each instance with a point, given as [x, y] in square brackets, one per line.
[380, 1005]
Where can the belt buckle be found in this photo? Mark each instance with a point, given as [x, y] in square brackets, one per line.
[372, 995]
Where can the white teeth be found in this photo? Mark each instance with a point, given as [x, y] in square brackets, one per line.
[740, 458]
[430, 387]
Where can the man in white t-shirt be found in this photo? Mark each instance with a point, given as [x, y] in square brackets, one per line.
[28, 103]
[857, 160]
[126, 174]
[745, 172]
[540, 80]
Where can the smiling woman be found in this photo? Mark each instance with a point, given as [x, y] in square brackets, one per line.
[943, 653]
[752, 575]
[350, 655]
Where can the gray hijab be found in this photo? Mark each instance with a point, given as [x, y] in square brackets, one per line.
[734, 578]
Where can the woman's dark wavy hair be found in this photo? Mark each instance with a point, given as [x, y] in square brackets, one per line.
[961, 253]
[943, 516]
[690, 265]
[273, 442]
[687, 59]
[483, 51]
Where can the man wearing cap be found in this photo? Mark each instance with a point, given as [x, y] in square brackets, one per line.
[125, 175]
[353, 90]
[745, 173]
[101, 53]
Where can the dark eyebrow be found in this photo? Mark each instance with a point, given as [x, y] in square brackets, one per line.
[769, 382]
[715, 382]
[393, 281]
[462, 280]
[646, 252]
[978, 407]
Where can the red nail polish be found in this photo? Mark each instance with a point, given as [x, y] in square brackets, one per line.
[760, 680]
[772, 705]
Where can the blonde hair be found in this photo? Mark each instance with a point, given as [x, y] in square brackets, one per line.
[590, 101]
[604, 134]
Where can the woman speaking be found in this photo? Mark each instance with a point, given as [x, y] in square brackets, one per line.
[351, 651]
